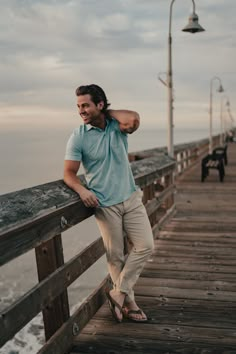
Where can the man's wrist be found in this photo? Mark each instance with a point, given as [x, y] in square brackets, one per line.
[79, 189]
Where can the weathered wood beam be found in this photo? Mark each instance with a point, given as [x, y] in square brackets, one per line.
[49, 257]
[150, 169]
[156, 202]
[62, 340]
[15, 242]
[27, 307]
[30, 205]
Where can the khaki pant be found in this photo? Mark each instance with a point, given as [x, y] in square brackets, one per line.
[129, 217]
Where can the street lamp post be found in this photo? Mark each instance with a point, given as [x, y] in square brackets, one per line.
[222, 120]
[220, 89]
[192, 27]
[230, 115]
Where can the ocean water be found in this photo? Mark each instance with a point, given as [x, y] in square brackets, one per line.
[29, 158]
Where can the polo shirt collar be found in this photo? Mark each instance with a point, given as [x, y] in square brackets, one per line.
[89, 126]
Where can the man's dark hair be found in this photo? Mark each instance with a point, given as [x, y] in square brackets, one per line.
[96, 92]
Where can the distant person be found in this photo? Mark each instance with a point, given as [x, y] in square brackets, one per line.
[101, 145]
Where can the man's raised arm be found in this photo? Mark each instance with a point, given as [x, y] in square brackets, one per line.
[128, 120]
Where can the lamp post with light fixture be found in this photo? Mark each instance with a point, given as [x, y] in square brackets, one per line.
[192, 27]
[222, 120]
[220, 89]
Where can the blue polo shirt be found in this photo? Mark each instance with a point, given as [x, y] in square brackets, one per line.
[104, 155]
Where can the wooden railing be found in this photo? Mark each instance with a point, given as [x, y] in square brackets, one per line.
[36, 217]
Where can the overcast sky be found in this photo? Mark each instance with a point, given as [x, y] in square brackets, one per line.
[50, 47]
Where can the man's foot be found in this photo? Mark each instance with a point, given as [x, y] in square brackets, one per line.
[132, 312]
[116, 300]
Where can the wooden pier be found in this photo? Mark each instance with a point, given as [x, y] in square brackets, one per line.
[188, 288]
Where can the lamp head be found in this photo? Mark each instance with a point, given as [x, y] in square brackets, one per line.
[193, 25]
[220, 89]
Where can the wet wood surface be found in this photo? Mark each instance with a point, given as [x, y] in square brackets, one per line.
[188, 287]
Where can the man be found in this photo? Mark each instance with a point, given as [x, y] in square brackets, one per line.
[101, 145]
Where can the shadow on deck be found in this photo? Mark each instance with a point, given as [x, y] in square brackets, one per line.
[188, 288]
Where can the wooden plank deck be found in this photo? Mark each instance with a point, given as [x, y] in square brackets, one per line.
[188, 288]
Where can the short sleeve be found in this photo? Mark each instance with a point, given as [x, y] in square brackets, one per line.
[74, 146]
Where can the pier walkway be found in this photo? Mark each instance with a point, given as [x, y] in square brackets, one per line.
[188, 288]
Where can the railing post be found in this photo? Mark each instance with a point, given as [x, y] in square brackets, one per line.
[184, 160]
[178, 166]
[189, 153]
[169, 180]
[49, 257]
[176, 170]
[195, 154]
[145, 195]
[152, 195]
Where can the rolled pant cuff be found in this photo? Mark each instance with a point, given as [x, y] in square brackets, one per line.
[129, 294]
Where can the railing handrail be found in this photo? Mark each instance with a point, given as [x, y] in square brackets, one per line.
[177, 148]
[25, 213]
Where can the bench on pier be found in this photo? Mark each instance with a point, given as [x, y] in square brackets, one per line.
[213, 161]
[222, 150]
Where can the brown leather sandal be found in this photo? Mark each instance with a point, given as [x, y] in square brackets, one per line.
[113, 304]
[128, 315]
